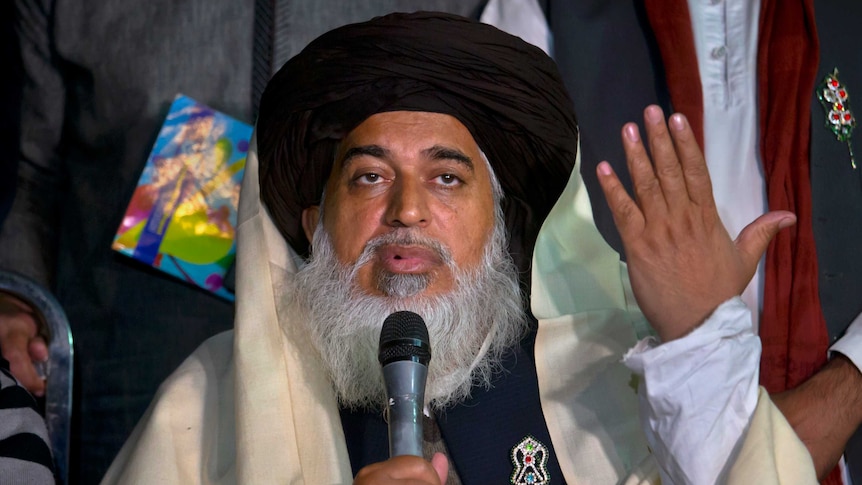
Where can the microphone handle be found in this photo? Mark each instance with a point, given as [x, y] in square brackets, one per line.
[405, 386]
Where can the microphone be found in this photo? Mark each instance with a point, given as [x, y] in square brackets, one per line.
[404, 353]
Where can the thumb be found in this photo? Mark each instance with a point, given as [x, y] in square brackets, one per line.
[754, 238]
[441, 466]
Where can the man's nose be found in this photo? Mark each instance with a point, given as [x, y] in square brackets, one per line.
[408, 205]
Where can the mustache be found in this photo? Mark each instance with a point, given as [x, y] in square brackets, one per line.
[405, 237]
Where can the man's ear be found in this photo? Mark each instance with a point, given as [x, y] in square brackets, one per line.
[310, 218]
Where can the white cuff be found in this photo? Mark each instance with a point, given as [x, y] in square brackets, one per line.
[850, 344]
[698, 394]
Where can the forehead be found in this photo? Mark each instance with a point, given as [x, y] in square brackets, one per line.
[409, 131]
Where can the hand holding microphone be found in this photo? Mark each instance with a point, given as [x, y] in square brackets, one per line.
[404, 353]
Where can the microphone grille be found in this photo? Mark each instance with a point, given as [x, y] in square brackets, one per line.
[404, 336]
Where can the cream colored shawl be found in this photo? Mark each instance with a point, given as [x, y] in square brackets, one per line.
[252, 406]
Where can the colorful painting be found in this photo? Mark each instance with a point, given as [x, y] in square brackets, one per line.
[182, 216]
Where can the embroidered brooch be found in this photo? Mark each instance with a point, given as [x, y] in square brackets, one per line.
[530, 458]
[833, 97]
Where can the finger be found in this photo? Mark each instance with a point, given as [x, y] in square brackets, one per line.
[646, 186]
[11, 304]
[694, 168]
[28, 376]
[404, 469]
[627, 215]
[441, 466]
[14, 349]
[667, 167]
[38, 349]
[754, 238]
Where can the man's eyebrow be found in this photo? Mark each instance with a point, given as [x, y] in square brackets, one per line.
[375, 151]
[436, 152]
[439, 152]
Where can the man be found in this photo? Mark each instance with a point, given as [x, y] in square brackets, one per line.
[99, 79]
[413, 159]
[751, 75]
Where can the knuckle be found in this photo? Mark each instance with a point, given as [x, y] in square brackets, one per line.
[647, 187]
[15, 355]
[660, 136]
[766, 232]
[696, 170]
[627, 210]
[616, 196]
[670, 171]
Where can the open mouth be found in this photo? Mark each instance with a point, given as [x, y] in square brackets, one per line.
[408, 259]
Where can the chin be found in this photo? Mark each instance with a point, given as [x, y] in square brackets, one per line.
[410, 285]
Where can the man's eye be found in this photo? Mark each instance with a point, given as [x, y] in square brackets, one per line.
[369, 178]
[449, 179]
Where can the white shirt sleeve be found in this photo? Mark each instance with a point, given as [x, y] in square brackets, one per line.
[698, 394]
[851, 343]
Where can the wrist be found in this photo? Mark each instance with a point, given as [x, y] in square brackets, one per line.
[848, 378]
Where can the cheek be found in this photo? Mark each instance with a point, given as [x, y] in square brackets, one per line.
[350, 228]
[471, 231]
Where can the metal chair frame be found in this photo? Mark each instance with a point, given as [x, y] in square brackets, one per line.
[59, 370]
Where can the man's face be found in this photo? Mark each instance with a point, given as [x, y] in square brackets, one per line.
[408, 170]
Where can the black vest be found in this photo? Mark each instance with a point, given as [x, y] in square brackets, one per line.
[479, 433]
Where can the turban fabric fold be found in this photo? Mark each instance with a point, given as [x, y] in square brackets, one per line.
[506, 92]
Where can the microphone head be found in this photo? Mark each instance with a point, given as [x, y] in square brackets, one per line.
[404, 336]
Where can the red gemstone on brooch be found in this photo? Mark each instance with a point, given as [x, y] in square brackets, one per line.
[528, 459]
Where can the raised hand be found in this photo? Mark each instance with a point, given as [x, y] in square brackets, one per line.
[681, 260]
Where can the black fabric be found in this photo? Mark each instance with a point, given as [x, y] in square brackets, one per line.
[836, 188]
[479, 433]
[264, 35]
[16, 397]
[367, 437]
[27, 447]
[611, 64]
[10, 107]
[506, 92]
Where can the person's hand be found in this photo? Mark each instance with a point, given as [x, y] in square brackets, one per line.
[405, 470]
[681, 260]
[20, 343]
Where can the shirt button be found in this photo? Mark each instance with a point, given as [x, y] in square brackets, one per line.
[718, 52]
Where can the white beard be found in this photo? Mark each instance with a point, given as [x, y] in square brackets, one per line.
[470, 327]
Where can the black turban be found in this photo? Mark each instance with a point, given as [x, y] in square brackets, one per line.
[507, 92]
